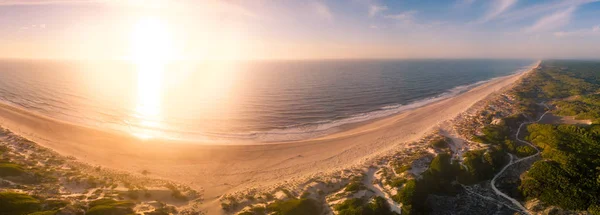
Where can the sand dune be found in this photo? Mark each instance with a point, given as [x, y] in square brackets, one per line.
[219, 169]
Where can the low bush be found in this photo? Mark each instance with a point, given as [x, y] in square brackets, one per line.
[110, 207]
[11, 169]
[295, 207]
[18, 203]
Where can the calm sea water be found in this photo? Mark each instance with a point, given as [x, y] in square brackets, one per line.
[250, 101]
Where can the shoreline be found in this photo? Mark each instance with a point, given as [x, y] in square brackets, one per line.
[220, 169]
[272, 134]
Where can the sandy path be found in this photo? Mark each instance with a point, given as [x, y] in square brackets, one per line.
[219, 169]
[395, 207]
[511, 162]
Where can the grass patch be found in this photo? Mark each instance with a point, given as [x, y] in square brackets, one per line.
[361, 207]
[44, 213]
[441, 142]
[11, 169]
[18, 203]
[295, 207]
[110, 206]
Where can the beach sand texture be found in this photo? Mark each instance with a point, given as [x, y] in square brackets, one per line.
[219, 169]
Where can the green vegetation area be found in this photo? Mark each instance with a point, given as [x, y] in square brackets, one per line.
[377, 205]
[355, 185]
[583, 107]
[29, 184]
[441, 142]
[478, 165]
[21, 204]
[292, 206]
[436, 180]
[18, 203]
[568, 175]
[11, 169]
[295, 207]
[560, 79]
[110, 206]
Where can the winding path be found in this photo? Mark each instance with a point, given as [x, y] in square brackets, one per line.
[395, 207]
[493, 182]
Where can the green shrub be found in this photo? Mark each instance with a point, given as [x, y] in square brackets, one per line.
[354, 186]
[18, 203]
[44, 213]
[11, 169]
[348, 205]
[441, 143]
[378, 206]
[567, 174]
[407, 193]
[397, 182]
[524, 151]
[110, 207]
[295, 207]
[594, 209]
[54, 204]
[109, 210]
[402, 168]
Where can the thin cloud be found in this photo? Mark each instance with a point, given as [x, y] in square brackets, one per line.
[407, 16]
[539, 9]
[375, 9]
[553, 21]
[322, 10]
[579, 33]
[33, 27]
[497, 8]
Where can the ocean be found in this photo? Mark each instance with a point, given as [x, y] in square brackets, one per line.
[257, 101]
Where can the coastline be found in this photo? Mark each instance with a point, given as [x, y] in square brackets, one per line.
[219, 169]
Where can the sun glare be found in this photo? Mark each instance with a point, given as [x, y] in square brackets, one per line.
[151, 51]
[151, 42]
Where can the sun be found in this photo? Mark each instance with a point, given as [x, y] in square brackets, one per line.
[151, 42]
[151, 51]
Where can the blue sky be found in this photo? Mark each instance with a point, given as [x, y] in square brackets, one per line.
[289, 29]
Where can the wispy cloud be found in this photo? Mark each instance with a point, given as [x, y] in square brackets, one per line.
[32, 27]
[374, 9]
[553, 21]
[593, 31]
[374, 26]
[540, 9]
[322, 10]
[406, 16]
[497, 8]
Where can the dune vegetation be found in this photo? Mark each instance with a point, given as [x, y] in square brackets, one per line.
[35, 180]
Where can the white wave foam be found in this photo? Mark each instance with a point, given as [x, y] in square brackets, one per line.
[322, 128]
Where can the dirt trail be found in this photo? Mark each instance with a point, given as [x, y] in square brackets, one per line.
[395, 207]
[493, 182]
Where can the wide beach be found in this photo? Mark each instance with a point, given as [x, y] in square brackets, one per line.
[221, 169]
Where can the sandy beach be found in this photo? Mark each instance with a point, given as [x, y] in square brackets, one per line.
[220, 169]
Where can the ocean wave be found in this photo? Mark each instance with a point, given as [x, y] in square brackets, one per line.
[324, 127]
[274, 114]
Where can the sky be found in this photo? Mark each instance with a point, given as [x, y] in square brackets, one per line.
[306, 29]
